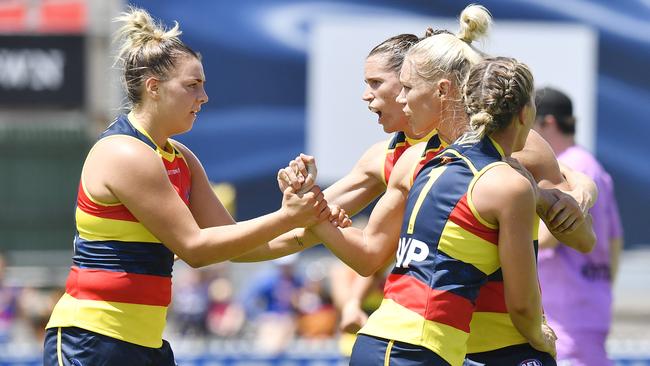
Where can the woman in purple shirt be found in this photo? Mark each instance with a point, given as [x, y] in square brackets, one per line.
[577, 287]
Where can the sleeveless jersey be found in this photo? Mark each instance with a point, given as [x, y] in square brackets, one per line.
[400, 142]
[120, 281]
[445, 254]
[491, 325]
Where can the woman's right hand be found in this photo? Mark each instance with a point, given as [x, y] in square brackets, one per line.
[299, 174]
[338, 217]
[305, 209]
[547, 341]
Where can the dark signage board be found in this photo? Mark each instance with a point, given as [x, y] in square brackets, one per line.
[42, 71]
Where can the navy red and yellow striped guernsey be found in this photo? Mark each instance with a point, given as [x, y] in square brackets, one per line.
[446, 253]
[120, 281]
[400, 142]
[491, 325]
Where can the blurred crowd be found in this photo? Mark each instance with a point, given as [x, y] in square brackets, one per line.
[24, 310]
[269, 304]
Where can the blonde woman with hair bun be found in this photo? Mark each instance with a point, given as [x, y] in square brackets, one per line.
[432, 75]
[402, 331]
[142, 198]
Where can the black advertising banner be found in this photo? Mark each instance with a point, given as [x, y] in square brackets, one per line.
[41, 71]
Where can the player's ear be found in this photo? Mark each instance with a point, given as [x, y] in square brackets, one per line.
[151, 86]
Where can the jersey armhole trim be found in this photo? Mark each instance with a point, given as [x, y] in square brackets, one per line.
[470, 189]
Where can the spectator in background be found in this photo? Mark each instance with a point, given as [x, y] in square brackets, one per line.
[578, 287]
[225, 316]
[317, 316]
[8, 302]
[270, 304]
[190, 302]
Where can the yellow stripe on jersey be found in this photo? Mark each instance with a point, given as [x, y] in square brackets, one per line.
[463, 245]
[393, 321]
[426, 138]
[167, 155]
[95, 228]
[470, 201]
[139, 324]
[497, 146]
[465, 159]
[491, 331]
[433, 176]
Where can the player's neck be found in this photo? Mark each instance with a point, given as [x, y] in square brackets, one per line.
[148, 122]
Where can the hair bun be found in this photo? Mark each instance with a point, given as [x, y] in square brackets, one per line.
[475, 20]
[480, 119]
[139, 28]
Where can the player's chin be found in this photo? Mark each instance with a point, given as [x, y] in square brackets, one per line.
[388, 127]
[187, 125]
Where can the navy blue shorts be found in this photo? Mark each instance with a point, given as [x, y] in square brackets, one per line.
[72, 346]
[518, 355]
[372, 351]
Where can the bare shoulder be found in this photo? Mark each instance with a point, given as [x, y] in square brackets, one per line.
[372, 161]
[125, 151]
[502, 192]
[117, 163]
[502, 183]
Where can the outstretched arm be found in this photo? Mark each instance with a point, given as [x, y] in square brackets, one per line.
[366, 251]
[351, 193]
[122, 169]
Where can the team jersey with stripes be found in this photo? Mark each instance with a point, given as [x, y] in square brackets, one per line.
[491, 325]
[400, 142]
[120, 282]
[446, 252]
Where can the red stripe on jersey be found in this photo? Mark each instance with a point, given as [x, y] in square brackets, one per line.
[132, 288]
[491, 298]
[428, 155]
[179, 175]
[391, 158]
[439, 306]
[462, 216]
[117, 212]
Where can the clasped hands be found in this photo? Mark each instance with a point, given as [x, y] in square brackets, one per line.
[299, 178]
